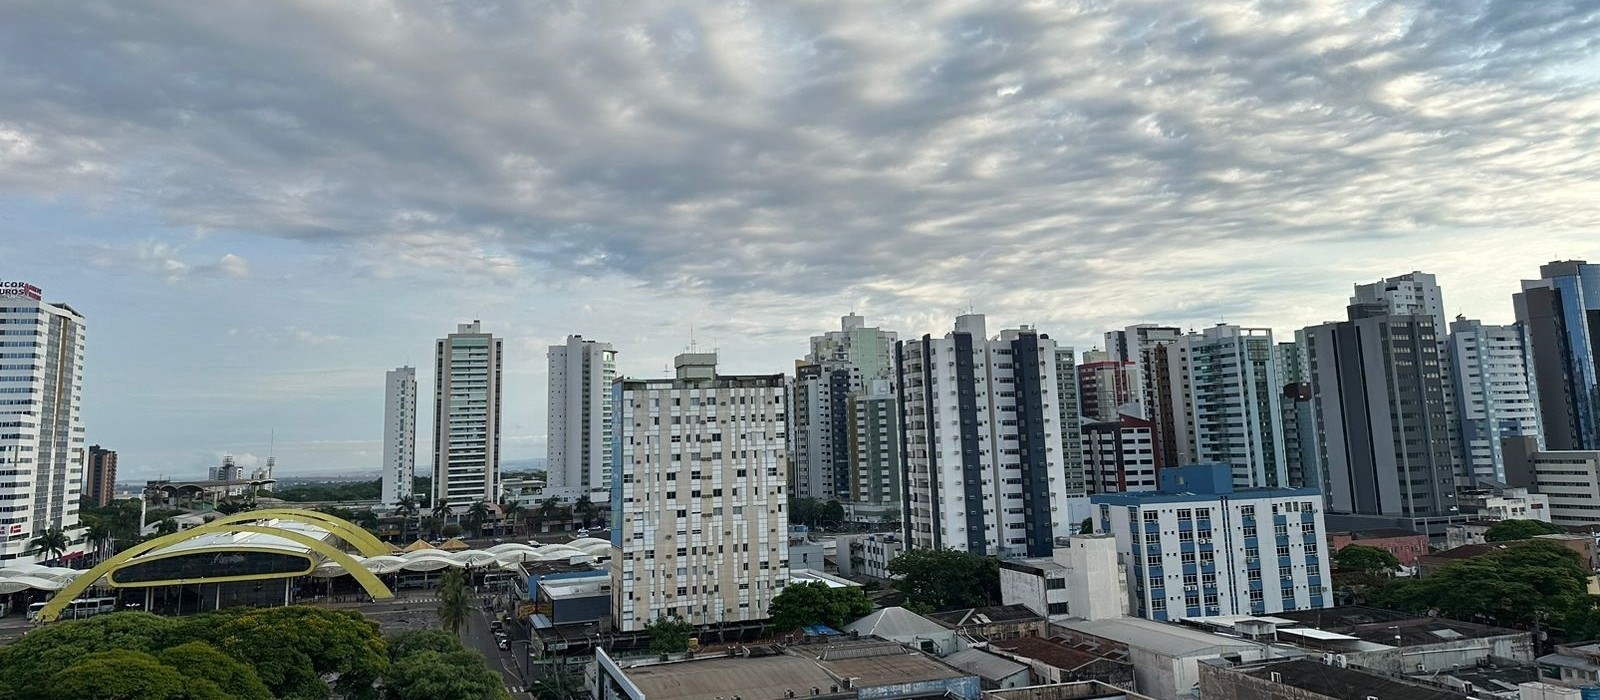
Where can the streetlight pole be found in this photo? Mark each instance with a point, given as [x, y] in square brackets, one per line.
[527, 659]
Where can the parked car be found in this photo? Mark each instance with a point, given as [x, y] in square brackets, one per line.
[504, 645]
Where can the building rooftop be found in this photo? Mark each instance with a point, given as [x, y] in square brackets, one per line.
[1047, 651]
[814, 576]
[1335, 682]
[895, 623]
[1159, 637]
[770, 672]
[1082, 690]
[984, 616]
[1033, 565]
[1392, 628]
[1379, 533]
[755, 678]
[984, 665]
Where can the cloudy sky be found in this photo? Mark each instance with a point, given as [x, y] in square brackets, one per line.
[261, 206]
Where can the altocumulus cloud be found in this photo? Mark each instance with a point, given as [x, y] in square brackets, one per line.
[901, 152]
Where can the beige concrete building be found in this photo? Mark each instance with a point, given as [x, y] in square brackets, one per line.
[699, 529]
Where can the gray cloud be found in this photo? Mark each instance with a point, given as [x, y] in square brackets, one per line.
[910, 155]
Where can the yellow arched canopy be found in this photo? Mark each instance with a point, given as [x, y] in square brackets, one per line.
[369, 582]
[365, 542]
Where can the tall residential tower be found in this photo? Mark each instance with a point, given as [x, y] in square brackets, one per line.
[399, 434]
[1560, 312]
[466, 418]
[581, 372]
[42, 453]
[984, 468]
[698, 528]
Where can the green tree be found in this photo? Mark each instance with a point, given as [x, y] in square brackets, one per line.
[1086, 527]
[803, 511]
[53, 542]
[585, 508]
[451, 530]
[128, 675]
[511, 512]
[804, 604]
[455, 601]
[431, 675]
[669, 635]
[944, 579]
[367, 519]
[1508, 530]
[203, 661]
[167, 526]
[559, 686]
[410, 642]
[548, 508]
[477, 515]
[1527, 581]
[831, 514]
[442, 510]
[429, 525]
[1372, 561]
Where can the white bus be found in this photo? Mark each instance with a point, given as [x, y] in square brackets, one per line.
[82, 607]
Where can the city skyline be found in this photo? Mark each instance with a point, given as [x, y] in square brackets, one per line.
[258, 228]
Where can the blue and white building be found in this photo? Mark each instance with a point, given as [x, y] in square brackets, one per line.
[1199, 548]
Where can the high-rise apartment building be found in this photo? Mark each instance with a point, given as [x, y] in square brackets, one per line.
[875, 454]
[1226, 403]
[42, 452]
[1386, 442]
[1107, 388]
[229, 470]
[1299, 422]
[1494, 392]
[870, 349]
[580, 420]
[399, 435]
[1119, 455]
[1198, 547]
[100, 477]
[1418, 294]
[699, 528]
[1560, 312]
[820, 434]
[982, 440]
[1071, 422]
[1145, 345]
[466, 418]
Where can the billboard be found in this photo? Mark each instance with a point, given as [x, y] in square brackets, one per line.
[11, 288]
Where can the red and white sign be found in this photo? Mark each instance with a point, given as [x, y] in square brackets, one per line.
[16, 529]
[20, 289]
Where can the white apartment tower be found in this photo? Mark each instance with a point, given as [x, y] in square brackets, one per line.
[399, 434]
[1226, 399]
[581, 373]
[42, 451]
[984, 465]
[698, 523]
[466, 418]
[1495, 392]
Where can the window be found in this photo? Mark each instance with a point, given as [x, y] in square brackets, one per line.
[1249, 531]
[1283, 550]
[1207, 558]
[1286, 572]
[1311, 549]
[1187, 557]
[1185, 514]
[1186, 535]
[1059, 609]
[1158, 604]
[1252, 552]
[1208, 579]
[1191, 580]
[1280, 530]
[1255, 596]
[1247, 511]
[1288, 594]
[1203, 513]
[1152, 559]
[1150, 516]
[1253, 575]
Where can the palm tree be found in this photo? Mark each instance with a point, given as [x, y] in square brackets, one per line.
[586, 507]
[455, 604]
[479, 512]
[443, 510]
[52, 542]
[366, 519]
[548, 506]
[512, 511]
[99, 531]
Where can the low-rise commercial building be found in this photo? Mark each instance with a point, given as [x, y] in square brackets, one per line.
[1303, 679]
[993, 622]
[1166, 657]
[1056, 661]
[1089, 690]
[841, 670]
[1405, 545]
[1082, 579]
[1397, 643]
[868, 555]
[1569, 478]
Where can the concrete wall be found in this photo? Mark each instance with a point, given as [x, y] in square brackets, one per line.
[1444, 655]
[1020, 588]
[965, 687]
[1221, 684]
